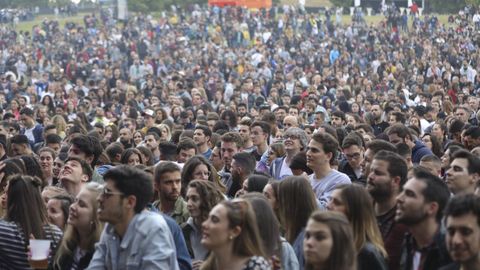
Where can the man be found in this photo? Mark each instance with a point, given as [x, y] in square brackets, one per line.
[201, 136]
[54, 142]
[89, 149]
[353, 149]
[388, 174]
[185, 150]
[463, 232]
[244, 131]
[231, 143]
[32, 130]
[260, 133]
[3, 147]
[462, 113]
[149, 120]
[125, 137]
[399, 133]
[420, 206]
[74, 174]
[396, 118]
[243, 165]
[132, 235]
[433, 164]
[464, 173]
[321, 151]
[378, 125]
[373, 148]
[168, 184]
[338, 119]
[151, 141]
[280, 113]
[471, 137]
[20, 146]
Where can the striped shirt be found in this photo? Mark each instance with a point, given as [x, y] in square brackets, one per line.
[13, 254]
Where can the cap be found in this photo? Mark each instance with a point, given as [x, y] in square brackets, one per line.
[148, 112]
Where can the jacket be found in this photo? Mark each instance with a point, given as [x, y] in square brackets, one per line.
[436, 254]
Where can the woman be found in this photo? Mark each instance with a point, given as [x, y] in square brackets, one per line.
[439, 130]
[198, 168]
[433, 144]
[295, 140]
[82, 232]
[276, 247]
[201, 197]
[47, 101]
[147, 155]
[270, 192]
[328, 242]
[15, 108]
[131, 156]
[275, 151]
[231, 235]
[26, 218]
[296, 202]
[46, 157]
[138, 137]
[166, 135]
[61, 125]
[356, 204]
[57, 210]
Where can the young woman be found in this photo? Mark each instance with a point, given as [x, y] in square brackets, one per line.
[138, 137]
[328, 242]
[296, 202]
[356, 204]
[231, 235]
[201, 197]
[26, 218]
[131, 156]
[198, 168]
[82, 232]
[46, 158]
[58, 209]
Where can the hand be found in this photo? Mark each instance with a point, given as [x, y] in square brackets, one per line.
[196, 264]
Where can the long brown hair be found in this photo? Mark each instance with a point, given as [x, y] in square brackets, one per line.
[209, 196]
[343, 254]
[248, 243]
[359, 211]
[296, 202]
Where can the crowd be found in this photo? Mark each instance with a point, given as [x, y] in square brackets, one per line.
[225, 138]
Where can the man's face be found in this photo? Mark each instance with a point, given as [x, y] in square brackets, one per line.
[55, 147]
[318, 120]
[211, 124]
[46, 162]
[392, 120]
[72, 172]
[242, 111]
[462, 114]
[170, 185]
[258, 136]
[354, 155]
[125, 135]
[316, 157]
[111, 204]
[395, 139]
[42, 113]
[463, 238]
[19, 149]
[151, 143]
[367, 162]
[27, 121]
[185, 154]
[337, 121]
[199, 137]
[228, 149]
[379, 182]
[280, 114]
[74, 151]
[458, 179]
[149, 121]
[376, 112]
[244, 132]
[411, 206]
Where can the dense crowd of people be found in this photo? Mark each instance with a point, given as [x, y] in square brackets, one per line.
[226, 138]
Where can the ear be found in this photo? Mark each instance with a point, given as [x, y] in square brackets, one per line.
[396, 182]
[131, 202]
[85, 178]
[432, 208]
[89, 159]
[329, 155]
[475, 178]
[235, 231]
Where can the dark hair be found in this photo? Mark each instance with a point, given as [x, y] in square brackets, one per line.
[90, 145]
[65, 202]
[339, 114]
[263, 125]
[86, 168]
[53, 138]
[165, 167]
[437, 147]
[168, 150]
[20, 139]
[27, 111]
[189, 168]
[401, 130]
[113, 150]
[33, 168]
[299, 162]
[463, 204]
[256, 182]
[473, 161]
[246, 161]
[399, 117]
[351, 139]
[328, 142]
[376, 145]
[132, 181]
[397, 165]
[206, 131]
[128, 152]
[233, 137]
[436, 189]
[154, 134]
[148, 153]
[209, 196]
[186, 144]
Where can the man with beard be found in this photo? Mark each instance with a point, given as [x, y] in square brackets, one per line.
[243, 165]
[133, 236]
[463, 232]
[378, 124]
[168, 183]
[242, 110]
[201, 136]
[372, 148]
[231, 143]
[420, 206]
[388, 173]
[126, 138]
[244, 131]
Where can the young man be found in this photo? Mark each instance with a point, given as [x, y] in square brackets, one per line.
[151, 141]
[74, 174]
[373, 148]
[201, 136]
[399, 133]
[168, 184]
[231, 143]
[20, 146]
[260, 133]
[378, 125]
[186, 149]
[244, 131]
[462, 216]
[32, 129]
[388, 174]
[321, 151]
[420, 206]
[243, 165]
[89, 149]
[464, 173]
[132, 236]
[353, 150]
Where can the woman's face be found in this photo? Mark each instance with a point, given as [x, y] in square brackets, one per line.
[317, 243]
[201, 172]
[271, 156]
[164, 134]
[14, 104]
[355, 108]
[57, 166]
[81, 211]
[437, 131]
[351, 121]
[216, 232]
[46, 162]
[55, 213]
[427, 141]
[193, 202]
[414, 122]
[269, 193]
[137, 138]
[133, 160]
[336, 202]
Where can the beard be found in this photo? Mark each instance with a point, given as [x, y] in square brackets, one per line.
[414, 218]
[380, 193]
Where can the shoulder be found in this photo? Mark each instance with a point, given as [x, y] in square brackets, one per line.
[257, 263]
[340, 177]
[150, 220]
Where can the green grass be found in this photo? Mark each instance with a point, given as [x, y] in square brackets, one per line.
[27, 26]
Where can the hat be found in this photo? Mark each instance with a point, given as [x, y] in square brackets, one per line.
[148, 112]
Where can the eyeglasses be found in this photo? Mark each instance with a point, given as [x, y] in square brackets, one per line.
[291, 137]
[107, 193]
[353, 156]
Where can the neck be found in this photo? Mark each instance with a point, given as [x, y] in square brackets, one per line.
[322, 171]
[424, 232]
[166, 205]
[224, 257]
[261, 148]
[383, 206]
[203, 148]
[290, 153]
[156, 152]
[472, 264]
[84, 236]
[121, 227]
[72, 188]
[248, 144]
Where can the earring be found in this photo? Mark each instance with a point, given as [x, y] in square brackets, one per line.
[231, 237]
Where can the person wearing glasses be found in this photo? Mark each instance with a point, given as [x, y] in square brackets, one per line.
[295, 140]
[198, 168]
[133, 236]
[353, 149]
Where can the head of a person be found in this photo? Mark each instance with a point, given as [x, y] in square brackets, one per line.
[126, 192]
[255, 183]
[167, 181]
[471, 137]
[462, 221]
[432, 163]
[399, 133]
[373, 148]
[202, 135]
[27, 116]
[85, 147]
[296, 202]
[231, 224]
[131, 156]
[152, 139]
[424, 196]
[328, 242]
[58, 210]
[46, 157]
[54, 142]
[260, 132]
[353, 149]
[201, 197]
[75, 170]
[186, 149]
[321, 150]
[295, 139]
[290, 121]
[464, 172]
[231, 143]
[338, 119]
[20, 145]
[168, 151]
